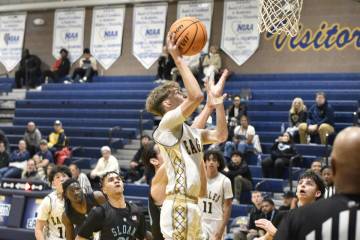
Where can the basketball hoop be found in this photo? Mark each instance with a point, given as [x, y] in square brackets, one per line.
[278, 16]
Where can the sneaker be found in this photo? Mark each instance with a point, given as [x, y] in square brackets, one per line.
[67, 82]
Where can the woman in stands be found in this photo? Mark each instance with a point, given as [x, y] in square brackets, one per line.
[297, 115]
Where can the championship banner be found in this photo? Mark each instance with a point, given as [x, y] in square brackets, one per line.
[106, 34]
[149, 28]
[240, 34]
[69, 32]
[203, 10]
[12, 28]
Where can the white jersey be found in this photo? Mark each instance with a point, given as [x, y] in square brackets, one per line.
[219, 189]
[51, 210]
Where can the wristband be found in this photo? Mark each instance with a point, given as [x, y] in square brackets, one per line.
[218, 100]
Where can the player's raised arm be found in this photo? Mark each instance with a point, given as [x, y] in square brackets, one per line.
[194, 93]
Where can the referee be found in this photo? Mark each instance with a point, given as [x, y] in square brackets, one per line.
[339, 216]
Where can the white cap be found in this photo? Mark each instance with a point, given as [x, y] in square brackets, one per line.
[105, 148]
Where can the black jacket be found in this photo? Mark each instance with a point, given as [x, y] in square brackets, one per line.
[236, 170]
[4, 159]
[296, 118]
[64, 67]
[282, 150]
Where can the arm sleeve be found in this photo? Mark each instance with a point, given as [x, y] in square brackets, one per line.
[227, 189]
[44, 209]
[93, 223]
[171, 120]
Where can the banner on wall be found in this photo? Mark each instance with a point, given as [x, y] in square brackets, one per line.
[12, 28]
[203, 10]
[148, 32]
[69, 32]
[106, 34]
[240, 34]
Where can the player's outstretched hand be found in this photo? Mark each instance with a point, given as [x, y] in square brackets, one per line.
[266, 225]
[173, 46]
[214, 92]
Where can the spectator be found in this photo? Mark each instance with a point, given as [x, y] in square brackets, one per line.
[281, 153]
[137, 164]
[107, 163]
[234, 113]
[166, 63]
[5, 140]
[81, 178]
[297, 115]
[316, 166]
[30, 173]
[29, 72]
[32, 137]
[212, 63]
[269, 211]
[59, 69]
[41, 169]
[239, 174]
[245, 139]
[320, 120]
[255, 214]
[57, 139]
[4, 159]
[49, 168]
[193, 62]
[18, 160]
[327, 175]
[87, 67]
[45, 154]
[287, 200]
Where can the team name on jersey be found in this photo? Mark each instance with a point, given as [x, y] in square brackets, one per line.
[55, 221]
[192, 147]
[214, 196]
[119, 231]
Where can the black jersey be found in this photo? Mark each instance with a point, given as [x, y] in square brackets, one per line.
[114, 223]
[335, 218]
[155, 219]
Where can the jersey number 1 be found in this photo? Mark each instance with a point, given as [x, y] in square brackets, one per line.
[207, 207]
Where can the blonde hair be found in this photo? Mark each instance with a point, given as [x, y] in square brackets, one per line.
[302, 106]
[158, 95]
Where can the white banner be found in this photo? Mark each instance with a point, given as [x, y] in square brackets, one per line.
[12, 28]
[69, 32]
[149, 28]
[203, 10]
[240, 34]
[106, 34]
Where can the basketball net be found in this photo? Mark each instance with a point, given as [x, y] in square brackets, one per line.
[280, 16]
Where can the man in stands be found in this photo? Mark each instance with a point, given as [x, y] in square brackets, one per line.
[17, 163]
[333, 218]
[45, 154]
[320, 120]
[59, 69]
[136, 165]
[255, 214]
[29, 70]
[87, 67]
[316, 166]
[81, 178]
[270, 212]
[106, 163]
[57, 138]
[31, 172]
[287, 200]
[328, 177]
[32, 137]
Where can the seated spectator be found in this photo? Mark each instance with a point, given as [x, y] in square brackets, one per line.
[87, 68]
[4, 159]
[41, 169]
[32, 137]
[281, 153]
[49, 168]
[29, 72]
[5, 140]
[320, 120]
[270, 212]
[239, 174]
[57, 139]
[212, 63]
[30, 173]
[106, 163]
[59, 69]
[316, 166]
[327, 176]
[255, 214]
[136, 170]
[45, 154]
[234, 113]
[17, 163]
[81, 178]
[193, 62]
[297, 115]
[166, 63]
[287, 200]
[245, 139]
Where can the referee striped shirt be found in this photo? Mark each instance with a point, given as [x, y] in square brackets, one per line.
[336, 218]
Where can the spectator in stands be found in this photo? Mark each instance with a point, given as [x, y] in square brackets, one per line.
[287, 200]
[5, 140]
[57, 139]
[87, 68]
[137, 164]
[17, 163]
[166, 63]
[81, 178]
[297, 115]
[328, 177]
[316, 166]
[48, 169]
[239, 174]
[193, 63]
[107, 163]
[41, 169]
[30, 173]
[234, 113]
[59, 69]
[32, 137]
[245, 139]
[4, 159]
[281, 153]
[255, 214]
[270, 212]
[45, 154]
[29, 72]
[320, 120]
[212, 63]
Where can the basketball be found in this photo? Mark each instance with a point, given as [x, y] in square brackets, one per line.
[192, 33]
